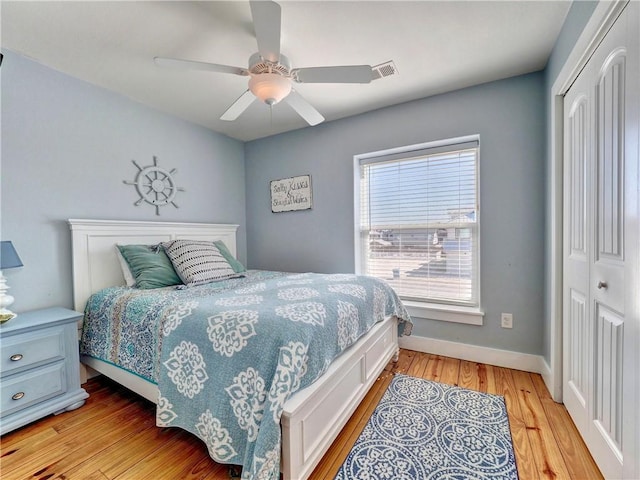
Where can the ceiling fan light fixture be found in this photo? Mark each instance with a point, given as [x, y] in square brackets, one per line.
[270, 87]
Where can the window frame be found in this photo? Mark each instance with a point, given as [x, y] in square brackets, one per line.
[444, 311]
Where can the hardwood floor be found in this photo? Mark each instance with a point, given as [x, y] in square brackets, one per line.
[113, 436]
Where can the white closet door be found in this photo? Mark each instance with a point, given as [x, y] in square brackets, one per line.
[578, 330]
[600, 241]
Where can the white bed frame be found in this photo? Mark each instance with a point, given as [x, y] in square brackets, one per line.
[314, 416]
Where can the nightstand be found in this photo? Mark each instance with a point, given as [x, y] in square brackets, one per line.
[39, 366]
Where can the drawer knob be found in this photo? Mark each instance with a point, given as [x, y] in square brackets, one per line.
[18, 396]
[15, 358]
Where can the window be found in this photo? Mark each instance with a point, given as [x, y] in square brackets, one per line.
[417, 221]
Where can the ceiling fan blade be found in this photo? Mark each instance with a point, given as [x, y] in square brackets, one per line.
[239, 106]
[304, 108]
[266, 22]
[193, 65]
[343, 74]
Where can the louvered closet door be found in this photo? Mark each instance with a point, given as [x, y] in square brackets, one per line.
[598, 154]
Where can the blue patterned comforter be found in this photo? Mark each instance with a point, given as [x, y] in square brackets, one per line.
[226, 356]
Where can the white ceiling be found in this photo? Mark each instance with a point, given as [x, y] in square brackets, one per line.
[437, 46]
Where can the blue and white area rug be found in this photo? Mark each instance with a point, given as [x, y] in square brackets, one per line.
[427, 430]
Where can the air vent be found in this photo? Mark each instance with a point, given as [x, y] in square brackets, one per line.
[384, 70]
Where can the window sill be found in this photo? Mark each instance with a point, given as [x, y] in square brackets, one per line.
[445, 313]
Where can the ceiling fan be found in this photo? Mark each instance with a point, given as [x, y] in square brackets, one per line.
[270, 72]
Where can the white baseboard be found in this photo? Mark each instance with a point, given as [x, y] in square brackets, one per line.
[550, 382]
[475, 353]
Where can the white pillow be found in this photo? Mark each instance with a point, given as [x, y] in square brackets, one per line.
[197, 262]
[126, 271]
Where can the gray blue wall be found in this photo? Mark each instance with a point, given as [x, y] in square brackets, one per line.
[66, 148]
[509, 115]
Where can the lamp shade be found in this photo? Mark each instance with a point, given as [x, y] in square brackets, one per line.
[8, 256]
[270, 87]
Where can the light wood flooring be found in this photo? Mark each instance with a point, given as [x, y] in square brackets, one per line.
[113, 436]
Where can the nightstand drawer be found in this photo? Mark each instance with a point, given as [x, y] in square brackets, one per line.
[35, 348]
[22, 390]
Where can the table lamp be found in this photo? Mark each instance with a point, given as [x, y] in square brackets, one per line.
[8, 259]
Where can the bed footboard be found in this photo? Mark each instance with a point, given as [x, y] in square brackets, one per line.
[313, 418]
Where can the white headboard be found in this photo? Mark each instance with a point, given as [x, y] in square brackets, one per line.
[94, 259]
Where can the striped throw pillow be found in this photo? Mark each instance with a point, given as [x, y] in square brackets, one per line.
[198, 262]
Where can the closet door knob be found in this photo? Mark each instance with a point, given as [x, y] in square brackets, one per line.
[602, 285]
[16, 358]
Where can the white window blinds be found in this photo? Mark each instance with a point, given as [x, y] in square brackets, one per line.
[418, 221]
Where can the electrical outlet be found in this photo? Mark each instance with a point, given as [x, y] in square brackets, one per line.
[507, 320]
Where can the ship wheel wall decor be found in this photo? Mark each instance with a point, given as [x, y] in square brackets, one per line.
[155, 185]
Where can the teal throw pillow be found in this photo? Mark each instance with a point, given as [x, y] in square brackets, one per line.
[150, 266]
[235, 264]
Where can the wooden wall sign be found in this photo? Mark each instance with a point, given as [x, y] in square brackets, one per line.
[292, 193]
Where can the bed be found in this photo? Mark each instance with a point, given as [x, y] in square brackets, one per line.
[310, 418]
